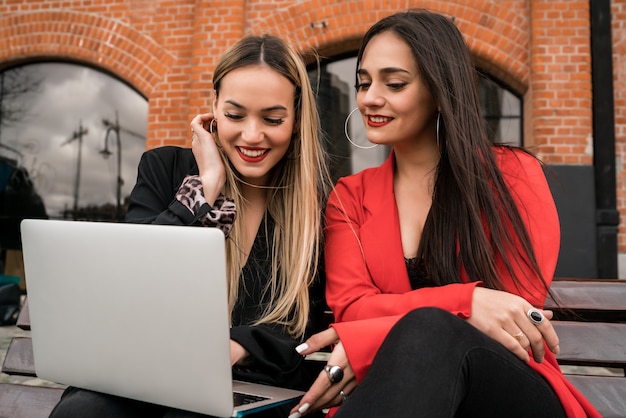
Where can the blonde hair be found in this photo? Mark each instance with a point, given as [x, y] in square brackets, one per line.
[297, 190]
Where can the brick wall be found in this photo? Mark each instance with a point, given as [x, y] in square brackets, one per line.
[166, 49]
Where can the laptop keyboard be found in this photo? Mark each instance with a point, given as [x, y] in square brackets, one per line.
[246, 398]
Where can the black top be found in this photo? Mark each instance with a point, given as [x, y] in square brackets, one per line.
[272, 349]
[417, 274]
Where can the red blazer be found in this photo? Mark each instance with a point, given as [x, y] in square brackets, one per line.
[368, 287]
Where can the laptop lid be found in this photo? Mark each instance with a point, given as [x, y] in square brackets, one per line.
[138, 311]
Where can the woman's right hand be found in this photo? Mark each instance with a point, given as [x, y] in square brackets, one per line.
[503, 316]
[205, 151]
[323, 393]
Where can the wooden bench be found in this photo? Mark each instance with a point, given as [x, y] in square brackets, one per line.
[22, 400]
[591, 324]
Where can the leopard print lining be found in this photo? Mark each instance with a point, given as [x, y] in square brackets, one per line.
[222, 213]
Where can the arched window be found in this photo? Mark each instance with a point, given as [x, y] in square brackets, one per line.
[502, 111]
[70, 141]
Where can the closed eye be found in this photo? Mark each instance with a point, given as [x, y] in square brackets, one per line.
[275, 121]
[233, 116]
[396, 86]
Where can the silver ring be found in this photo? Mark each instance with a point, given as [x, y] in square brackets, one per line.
[335, 373]
[519, 336]
[344, 397]
[535, 316]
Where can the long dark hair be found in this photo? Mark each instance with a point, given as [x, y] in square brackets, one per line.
[469, 190]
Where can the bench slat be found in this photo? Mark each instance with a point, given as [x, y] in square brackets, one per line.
[592, 300]
[19, 358]
[591, 344]
[606, 393]
[22, 401]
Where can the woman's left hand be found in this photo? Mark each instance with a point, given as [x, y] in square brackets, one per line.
[504, 317]
[323, 393]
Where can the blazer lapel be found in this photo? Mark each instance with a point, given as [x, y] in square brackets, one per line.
[380, 233]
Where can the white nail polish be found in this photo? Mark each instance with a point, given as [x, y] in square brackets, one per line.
[304, 408]
[295, 415]
[302, 347]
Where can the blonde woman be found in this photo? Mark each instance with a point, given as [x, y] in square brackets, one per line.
[256, 170]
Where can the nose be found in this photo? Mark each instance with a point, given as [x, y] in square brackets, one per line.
[252, 131]
[371, 97]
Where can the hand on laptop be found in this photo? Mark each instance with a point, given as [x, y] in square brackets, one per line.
[332, 386]
[238, 354]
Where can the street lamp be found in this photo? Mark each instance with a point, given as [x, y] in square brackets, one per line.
[77, 135]
[106, 153]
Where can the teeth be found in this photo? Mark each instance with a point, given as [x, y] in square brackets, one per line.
[378, 119]
[252, 153]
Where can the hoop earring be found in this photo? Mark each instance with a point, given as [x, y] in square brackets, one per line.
[345, 131]
[438, 119]
[211, 125]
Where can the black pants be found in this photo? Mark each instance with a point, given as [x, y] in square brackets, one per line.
[434, 364]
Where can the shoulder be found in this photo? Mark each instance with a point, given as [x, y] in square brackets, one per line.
[171, 157]
[168, 153]
[372, 175]
[364, 176]
[168, 164]
[515, 157]
[525, 178]
[517, 163]
[366, 187]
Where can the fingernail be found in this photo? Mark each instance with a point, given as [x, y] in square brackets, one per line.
[556, 350]
[304, 408]
[302, 347]
[295, 415]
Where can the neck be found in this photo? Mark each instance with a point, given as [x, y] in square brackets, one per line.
[416, 162]
[254, 195]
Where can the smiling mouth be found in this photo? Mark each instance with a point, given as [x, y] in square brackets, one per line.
[252, 155]
[378, 120]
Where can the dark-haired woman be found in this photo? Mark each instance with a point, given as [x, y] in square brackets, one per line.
[438, 261]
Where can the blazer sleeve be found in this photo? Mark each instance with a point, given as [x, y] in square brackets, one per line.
[159, 175]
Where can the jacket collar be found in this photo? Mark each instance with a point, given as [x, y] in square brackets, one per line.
[380, 233]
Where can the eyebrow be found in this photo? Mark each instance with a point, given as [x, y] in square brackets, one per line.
[386, 70]
[267, 109]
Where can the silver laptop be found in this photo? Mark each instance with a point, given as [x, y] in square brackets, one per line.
[138, 311]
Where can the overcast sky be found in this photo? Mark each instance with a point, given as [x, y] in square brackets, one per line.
[68, 96]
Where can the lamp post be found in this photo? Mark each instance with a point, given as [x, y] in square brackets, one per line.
[77, 135]
[115, 127]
